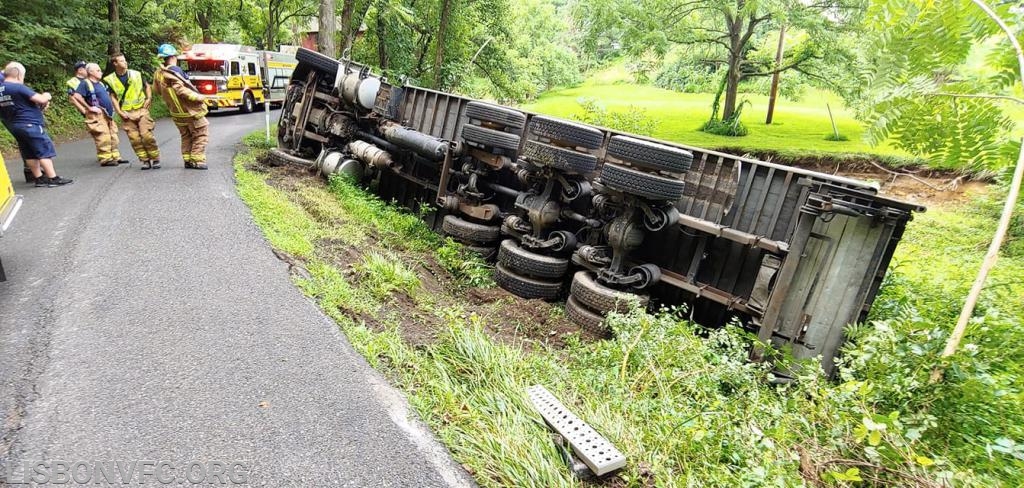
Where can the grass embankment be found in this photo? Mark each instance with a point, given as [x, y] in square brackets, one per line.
[687, 410]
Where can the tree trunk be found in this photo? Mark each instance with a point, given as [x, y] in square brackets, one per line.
[114, 16]
[347, 29]
[382, 48]
[204, 19]
[732, 76]
[439, 52]
[774, 92]
[325, 39]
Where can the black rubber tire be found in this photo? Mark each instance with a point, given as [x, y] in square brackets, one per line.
[496, 113]
[530, 263]
[524, 286]
[587, 319]
[595, 296]
[248, 103]
[277, 157]
[566, 133]
[641, 184]
[320, 62]
[556, 157]
[467, 231]
[651, 155]
[489, 137]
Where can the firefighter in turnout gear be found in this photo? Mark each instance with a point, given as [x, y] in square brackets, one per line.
[99, 116]
[186, 105]
[131, 96]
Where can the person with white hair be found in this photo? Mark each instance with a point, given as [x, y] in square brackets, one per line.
[99, 116]
[21, 111]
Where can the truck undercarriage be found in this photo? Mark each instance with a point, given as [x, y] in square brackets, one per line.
[607, 220]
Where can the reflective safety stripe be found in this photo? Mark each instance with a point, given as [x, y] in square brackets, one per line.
[222, 102]
[74, 82]
[176, 110]
[133, 97]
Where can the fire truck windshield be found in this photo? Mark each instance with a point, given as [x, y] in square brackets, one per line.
[204, 66]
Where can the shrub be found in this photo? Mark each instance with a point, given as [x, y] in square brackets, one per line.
[633, 120]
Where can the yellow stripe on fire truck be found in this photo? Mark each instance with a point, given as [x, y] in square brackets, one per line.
[220, 102]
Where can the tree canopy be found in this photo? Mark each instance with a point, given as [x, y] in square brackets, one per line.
[916, 88]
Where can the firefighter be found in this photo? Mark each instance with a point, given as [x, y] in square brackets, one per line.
[131, 96]
[186, 105]
[73, 84]
[99, 117]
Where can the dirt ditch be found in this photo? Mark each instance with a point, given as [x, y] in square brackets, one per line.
[506, 317]
[909, 183]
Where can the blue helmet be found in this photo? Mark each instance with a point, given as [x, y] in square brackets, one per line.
[166, 50]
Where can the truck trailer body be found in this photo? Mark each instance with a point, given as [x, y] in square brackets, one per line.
[606, 218]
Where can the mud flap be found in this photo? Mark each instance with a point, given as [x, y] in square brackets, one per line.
[763, 284]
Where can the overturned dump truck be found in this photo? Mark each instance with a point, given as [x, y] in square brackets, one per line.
[605, 219]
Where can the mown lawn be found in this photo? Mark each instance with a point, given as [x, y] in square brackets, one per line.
[798, 125]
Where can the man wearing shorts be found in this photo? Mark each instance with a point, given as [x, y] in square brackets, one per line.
[21, 110]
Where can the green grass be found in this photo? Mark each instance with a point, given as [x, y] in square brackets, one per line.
[683, 404]
[386, 274]
[798, 126]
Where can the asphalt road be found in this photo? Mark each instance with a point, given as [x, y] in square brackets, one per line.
[146, 318]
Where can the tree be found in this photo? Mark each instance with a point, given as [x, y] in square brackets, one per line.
[263, 20]
[917, 91]
[47, 37]
[442, 27]
[328, 30]
[728, 31]
[114, 17]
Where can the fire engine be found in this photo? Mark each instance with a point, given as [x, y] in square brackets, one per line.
[238, 76]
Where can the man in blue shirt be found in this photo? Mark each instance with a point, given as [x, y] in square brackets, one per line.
[21, 110]
[99, 117]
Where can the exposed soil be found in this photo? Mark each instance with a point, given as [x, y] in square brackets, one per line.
[507, 318]
[909, 183]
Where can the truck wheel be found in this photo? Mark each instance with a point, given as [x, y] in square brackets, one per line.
[587, 291]
[467, 231]
[530, 263]
[319, 62]
[566, 133]
[650, 155]
[248, 103]
[497, 114]
[559, 158]
[582, 316]
[524, 286]
[641, 184]
[277, 157]
[494, 139]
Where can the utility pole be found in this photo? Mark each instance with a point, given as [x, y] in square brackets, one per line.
[775, 76]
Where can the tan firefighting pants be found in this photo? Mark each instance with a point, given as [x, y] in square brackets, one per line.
[103, 130]
[139, 127]
[193, 139]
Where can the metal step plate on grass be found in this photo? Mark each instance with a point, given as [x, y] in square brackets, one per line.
[592, 448]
